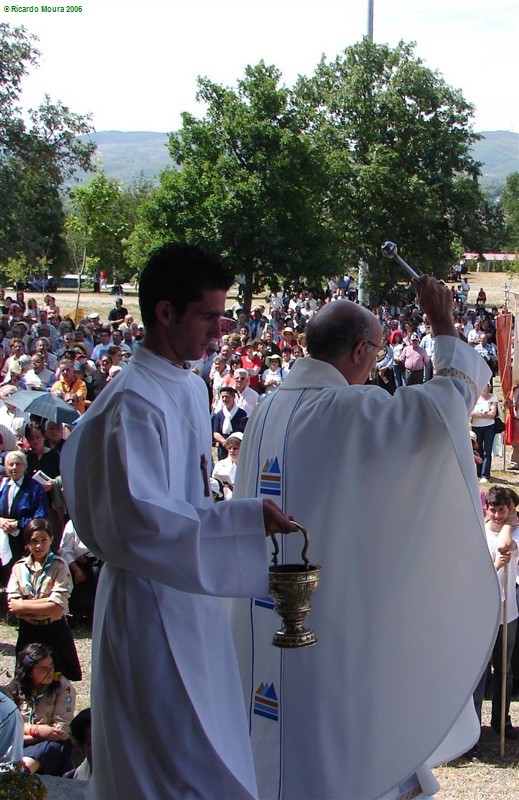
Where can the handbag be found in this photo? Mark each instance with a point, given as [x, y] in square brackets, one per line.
[499, 425]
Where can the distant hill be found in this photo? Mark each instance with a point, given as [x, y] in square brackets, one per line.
[499, 153]
[124, 155]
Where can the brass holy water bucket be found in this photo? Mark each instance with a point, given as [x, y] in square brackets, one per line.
[291, 586]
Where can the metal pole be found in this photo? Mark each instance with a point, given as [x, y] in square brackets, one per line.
[370, 20]
[363, 265]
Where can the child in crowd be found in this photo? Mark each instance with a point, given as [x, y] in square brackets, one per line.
[502, 535]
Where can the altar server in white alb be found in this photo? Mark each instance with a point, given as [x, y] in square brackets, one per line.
[167, 706]
[408, 605]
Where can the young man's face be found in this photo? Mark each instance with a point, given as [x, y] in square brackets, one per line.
[498, 514]
[189, 335]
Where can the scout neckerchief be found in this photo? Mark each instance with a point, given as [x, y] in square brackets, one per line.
[34, 590]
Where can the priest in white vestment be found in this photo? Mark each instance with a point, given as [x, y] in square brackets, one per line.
[168, 721]
[408, 606]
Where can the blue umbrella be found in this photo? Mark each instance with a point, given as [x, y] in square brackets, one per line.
[43, 404]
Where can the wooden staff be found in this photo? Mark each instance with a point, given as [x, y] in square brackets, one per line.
[503, 664]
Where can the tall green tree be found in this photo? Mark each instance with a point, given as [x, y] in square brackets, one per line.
[510, 203]
[35, 159]
[248, 179]
[398, 142]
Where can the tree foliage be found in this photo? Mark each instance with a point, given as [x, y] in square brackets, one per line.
[248, 181]
[102, 214]
[510, 203]
[35, 158]
[306, 181]
[398, 140]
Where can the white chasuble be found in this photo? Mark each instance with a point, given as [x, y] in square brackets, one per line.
[408, 605]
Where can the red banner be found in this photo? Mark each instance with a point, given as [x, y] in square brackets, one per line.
[504, 351]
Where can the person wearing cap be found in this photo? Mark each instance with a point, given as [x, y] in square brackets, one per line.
[118, 313]
[414, 358]
[230, 419]
[225, 469]
[246, 398]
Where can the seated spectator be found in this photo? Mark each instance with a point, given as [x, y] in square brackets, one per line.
[43, 348]
[21, 499]
[103, 346]
[47, 703]
[38, 593]
[54, 435]
[11, 364]
[230, 419]
[39, 377]
[102, 374]
[81, 733]
[84, 568]
[69, 382]
[11, 730]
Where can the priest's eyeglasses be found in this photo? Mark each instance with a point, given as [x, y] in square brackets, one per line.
[381, 349]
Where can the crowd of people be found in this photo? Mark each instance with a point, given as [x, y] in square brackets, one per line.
[46, 571]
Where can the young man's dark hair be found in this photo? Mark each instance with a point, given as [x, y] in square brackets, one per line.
[180, 273]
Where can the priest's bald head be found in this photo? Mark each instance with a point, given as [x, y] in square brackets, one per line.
[348, 337]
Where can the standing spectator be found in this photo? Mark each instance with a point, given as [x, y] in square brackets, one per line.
[229, 419]
[246, 398]
[481, 298]
[428, 344]
[37, 593]
[414, 358]
[501, 512]
[118, 313]
[483, 421]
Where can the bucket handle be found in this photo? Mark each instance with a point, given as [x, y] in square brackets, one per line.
[303, 552]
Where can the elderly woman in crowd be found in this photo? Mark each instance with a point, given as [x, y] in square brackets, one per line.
[21, 499]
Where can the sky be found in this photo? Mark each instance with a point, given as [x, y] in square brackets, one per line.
[134, 65]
